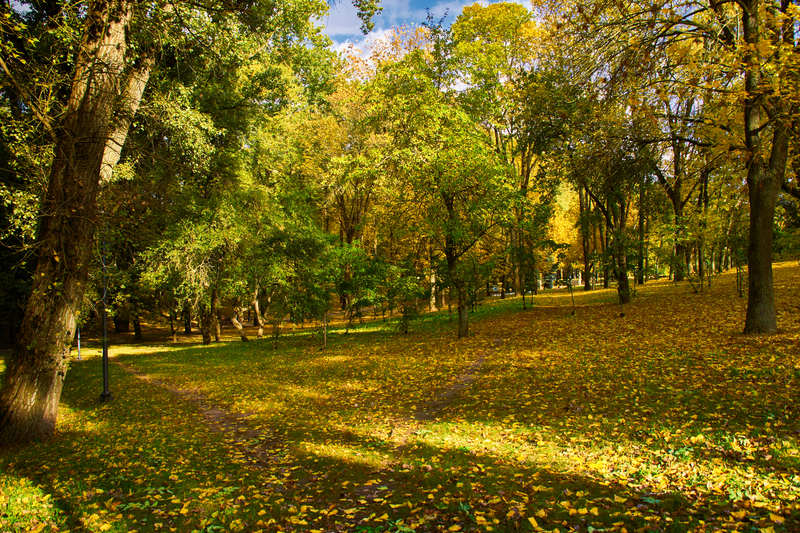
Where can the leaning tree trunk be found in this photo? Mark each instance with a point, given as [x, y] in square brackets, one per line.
[37, 366]
[259, 318]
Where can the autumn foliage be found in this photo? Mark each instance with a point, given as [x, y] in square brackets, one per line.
[665, 419]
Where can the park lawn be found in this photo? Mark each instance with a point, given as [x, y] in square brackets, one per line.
[664, 419]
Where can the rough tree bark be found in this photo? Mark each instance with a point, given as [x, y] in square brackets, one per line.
[36, 369]
[765, 171]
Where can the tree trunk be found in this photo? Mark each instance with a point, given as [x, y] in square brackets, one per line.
[621, 270]
[764, 174]
[679, 262]
[640, 258]
[172, 329]
[276, 331]
[215, 328]
[584, 225]
[761, 316]
[187, 318]
[206, 323]
[237, 323]
[37, 366]
[604, 240]
[463, 315]
[137, 327]
[432, 299]
[122, 319]
[258, 316]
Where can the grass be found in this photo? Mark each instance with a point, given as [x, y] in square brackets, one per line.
[666, 419]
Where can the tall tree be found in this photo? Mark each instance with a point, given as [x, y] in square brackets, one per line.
[753, 46]
[110, 70]
[441, 166]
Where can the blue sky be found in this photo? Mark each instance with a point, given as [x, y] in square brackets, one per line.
[342, 25]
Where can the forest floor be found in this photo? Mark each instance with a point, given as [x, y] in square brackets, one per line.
[664, 419]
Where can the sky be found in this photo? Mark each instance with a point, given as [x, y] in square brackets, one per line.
[343, 25]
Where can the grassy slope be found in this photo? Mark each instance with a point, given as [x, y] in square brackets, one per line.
[664, 419]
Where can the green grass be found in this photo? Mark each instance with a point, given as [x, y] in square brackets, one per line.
[666, 419]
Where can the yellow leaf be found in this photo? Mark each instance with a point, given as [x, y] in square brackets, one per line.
[778, 519]
[595, 511]
[533, 522]
[620, 499]
[541, 513]
[455, 527]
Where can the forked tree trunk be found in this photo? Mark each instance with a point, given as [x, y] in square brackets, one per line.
[237, 323]
[259, 318]
[37, 366]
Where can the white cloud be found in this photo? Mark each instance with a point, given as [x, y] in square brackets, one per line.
[343, 26]
[363, 43]
[341, 20]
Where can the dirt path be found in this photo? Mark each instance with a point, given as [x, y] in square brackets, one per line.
[232, 425]
[449, 393]
[261, 449]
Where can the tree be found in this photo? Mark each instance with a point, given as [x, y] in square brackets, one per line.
[441, 167]
[609, 167]
[753, 47]
[523, 105]
[110, 70]
[104, 87]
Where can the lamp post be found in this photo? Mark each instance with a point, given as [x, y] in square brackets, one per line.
[106, 394]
